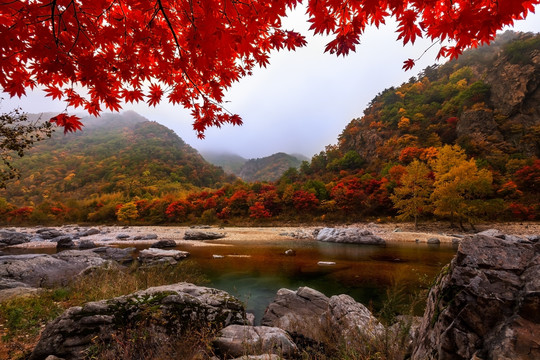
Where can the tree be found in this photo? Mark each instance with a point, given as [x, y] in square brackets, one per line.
[18, 134]
[459, 186]
[412, 198]
[99, 53]
[127, 212]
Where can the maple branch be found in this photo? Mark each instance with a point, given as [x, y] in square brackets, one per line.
[169, 24]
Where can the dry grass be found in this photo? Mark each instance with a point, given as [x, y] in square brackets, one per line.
[23, 318]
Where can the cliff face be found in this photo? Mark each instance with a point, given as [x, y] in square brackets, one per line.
[487, 101]
[486, 304]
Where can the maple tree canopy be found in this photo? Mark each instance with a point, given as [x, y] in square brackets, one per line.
[97, 54]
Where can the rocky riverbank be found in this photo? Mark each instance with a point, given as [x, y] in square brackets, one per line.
[484, 305]
[75, 236]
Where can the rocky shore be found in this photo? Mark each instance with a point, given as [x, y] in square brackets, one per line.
[484, 304]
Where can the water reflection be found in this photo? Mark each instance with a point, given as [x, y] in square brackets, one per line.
[258, 270]
[254, 271]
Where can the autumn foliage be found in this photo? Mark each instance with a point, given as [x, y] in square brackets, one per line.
[100, 54]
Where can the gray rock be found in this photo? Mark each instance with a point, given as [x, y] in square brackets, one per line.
[153, 256]
[164, 244]
[456, 241]
[121, 256]
[202, 235]
[39, 270]
[485, 304]
[433, 241]
[492, 232]
[122, 236]
[88, 232]
[150, 236]
[14, 238]
[349, 235]
[297, 311]
[237, 340]
[65, 243]
[86, 244]
[48, 234]
[63, 238]
[313, 315]
[352, 319]
[174, 308]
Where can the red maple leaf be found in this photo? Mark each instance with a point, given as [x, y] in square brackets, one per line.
[408, 64]
[70, 123]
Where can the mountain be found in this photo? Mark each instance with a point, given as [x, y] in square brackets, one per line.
[230, 163]
[269, 168]
[487, 101]
[116, 153]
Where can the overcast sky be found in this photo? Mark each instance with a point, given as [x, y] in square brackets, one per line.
[301, 102]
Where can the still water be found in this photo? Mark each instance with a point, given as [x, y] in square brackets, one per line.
[254, 271]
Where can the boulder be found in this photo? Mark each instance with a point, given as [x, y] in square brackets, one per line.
[39, 270]
[164, 244]
[433, 241]
[65, 243]
[485, 304]
[202, 235]
[352, 319]
[122, 236]
[150, 237]
[153, 256]
[492, 232]
[47, 234]
[88, 232]
[86, 244]
[349, 235]
[307, 313]
[237, 340]
[297, 311]
[164, 312]
[14, 238]
[121, 256]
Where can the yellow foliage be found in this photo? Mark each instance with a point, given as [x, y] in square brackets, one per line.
[404, 123]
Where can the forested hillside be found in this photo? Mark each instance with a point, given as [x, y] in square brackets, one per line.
[269, 168]
[115, 154]
[459, 142]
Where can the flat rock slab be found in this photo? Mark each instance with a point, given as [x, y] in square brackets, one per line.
[168, 310]
[237, 340]
[349, 236]
[202, 235]
[168, 243]
[41, 270]
[158, 256]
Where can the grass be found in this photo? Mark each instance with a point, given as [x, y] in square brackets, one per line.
[23, 318]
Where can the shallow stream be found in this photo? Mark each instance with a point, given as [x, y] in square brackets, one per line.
[254, 271]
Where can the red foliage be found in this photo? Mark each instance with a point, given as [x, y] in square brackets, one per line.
[258, 211]
[522, 212]
[528, 177]
[410, 153]
[20, 214]
[305, 201]
[177, 210]
[96, 54]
